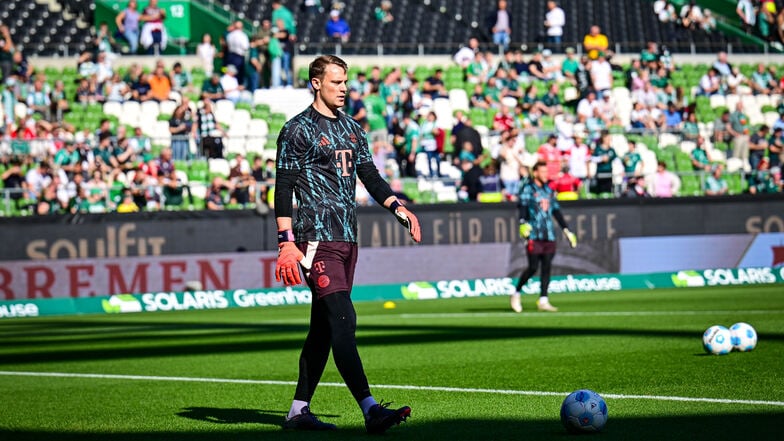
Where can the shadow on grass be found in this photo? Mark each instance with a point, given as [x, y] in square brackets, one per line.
[153, 339]
[257, 425]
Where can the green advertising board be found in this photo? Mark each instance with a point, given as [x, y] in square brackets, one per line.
[178, 15]
[443, 289]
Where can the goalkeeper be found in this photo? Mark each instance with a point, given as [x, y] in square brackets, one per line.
[321, 152]
[538, 207]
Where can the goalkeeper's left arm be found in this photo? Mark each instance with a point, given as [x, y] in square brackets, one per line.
[380, 191]
[571, 237]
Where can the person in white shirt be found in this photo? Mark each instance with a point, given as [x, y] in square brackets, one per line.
[586, 107]
[466, 54]
[601, 75]
[745, 10]
[554, 21]
[206, 53]
[237, 43]
[579, 155]
[231, 87]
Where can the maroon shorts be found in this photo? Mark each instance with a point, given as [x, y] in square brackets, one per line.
[541, 247]
[329, 266]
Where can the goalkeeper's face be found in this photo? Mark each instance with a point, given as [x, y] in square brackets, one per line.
[541, 174]
[331, 89]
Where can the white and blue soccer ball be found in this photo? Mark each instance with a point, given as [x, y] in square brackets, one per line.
[717, 340]
[743, 336]
[583, 411]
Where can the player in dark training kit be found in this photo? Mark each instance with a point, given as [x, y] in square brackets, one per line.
[321, 152]
[538, 207]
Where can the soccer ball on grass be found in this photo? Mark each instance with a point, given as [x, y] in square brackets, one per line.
[743, 337]
[717, 340]
[583, 411]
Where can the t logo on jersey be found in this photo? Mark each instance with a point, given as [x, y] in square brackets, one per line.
[319, 266]
[344, 161]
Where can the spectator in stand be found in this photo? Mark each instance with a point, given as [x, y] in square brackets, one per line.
[503, 120]
[586, 107]
[500, 23]
[212, 89]
[240, 180]
[566, 185]
[153, 35]
[383, 13]
[467, 54]
[214, 200]
[470, 184]
[549, 154]
[635, 188]
[739, 130]
[115, 89]
[181, 127]
[758, 145]
[731, 82]
[632, 161]
[722, 66]
[579, 155]
[38, 100]
[672, 118]
[595, 42]
[283, 19]
[511, 156]
[709, 21]
[14, 181]
[748, 17]
[762, 82]
[180, 79]
[434, 85]
[237, 45]
[691, 128]
[603, 156]
[665, 184]
[601, 75]
[665, 11]
[569, 66]
[761, 181]
[206, 53]
[127, 22]
[710, 83]
[776, 147]
[691, 15]
[141, 90]
[554, 22]
[699, 157]
[160, 84]
[6, 53]
[715, 184]
[230, 85]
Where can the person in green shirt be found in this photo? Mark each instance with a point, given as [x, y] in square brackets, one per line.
[650, 53]
[66, 158]
[691, 129]
[412, 144]
[212, 89]
[739, 130]
[631, 159]
[715, 184]
[569, 66]
[762, 180]
[603, 156]
[699, 157]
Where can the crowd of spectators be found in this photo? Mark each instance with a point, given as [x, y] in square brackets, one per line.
[103, 168]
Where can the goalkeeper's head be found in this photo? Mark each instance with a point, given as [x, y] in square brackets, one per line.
[540, 173]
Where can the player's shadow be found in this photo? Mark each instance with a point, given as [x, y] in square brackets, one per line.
[233, 416]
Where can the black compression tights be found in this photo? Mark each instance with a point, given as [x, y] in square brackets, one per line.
[533, 266]
[333, 325]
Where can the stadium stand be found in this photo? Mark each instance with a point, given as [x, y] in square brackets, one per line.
[250, 125]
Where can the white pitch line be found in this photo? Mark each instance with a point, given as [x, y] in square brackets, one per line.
[391, 386]
[580, 314]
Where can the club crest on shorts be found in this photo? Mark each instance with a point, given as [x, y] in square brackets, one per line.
[323, 281]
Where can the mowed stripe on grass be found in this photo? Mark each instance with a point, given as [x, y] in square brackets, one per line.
[444, 389]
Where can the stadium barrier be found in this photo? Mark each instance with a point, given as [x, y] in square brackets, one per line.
[430, 290]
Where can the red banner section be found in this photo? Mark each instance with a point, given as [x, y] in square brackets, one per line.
[98, 277]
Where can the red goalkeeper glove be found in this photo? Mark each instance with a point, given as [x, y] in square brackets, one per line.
[408, 220]
[287, 268]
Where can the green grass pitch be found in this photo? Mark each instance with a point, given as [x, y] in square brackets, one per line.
[470, 369]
